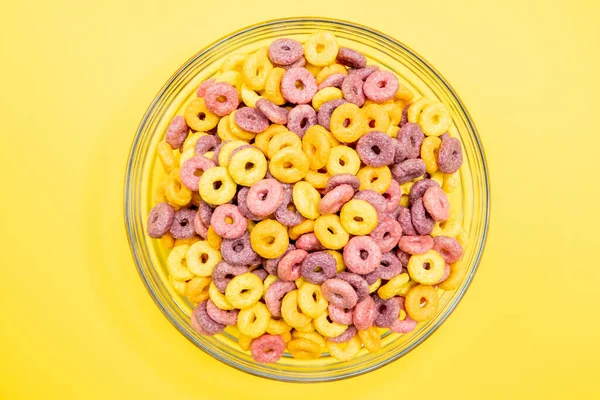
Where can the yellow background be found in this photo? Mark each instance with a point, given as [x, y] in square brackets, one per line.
[76, 78]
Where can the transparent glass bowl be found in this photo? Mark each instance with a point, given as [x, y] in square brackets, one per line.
[144, 171]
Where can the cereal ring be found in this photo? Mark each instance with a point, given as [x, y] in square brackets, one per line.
[269, 239]
[264, 197]
[373, 198]
[300, 63]
[331, 69]
[224, 317]
[311, 300]
[305, 226]
[222, 98]
[387, 234]
[450, 156]
[183, 224]
[192, 170]
[242, 197]
[203, 87]
[408, 170]
[406, 324]
[329, 232]
[342, 179]
[339, 292]
[304, 349]
[333, 200]
[419, 188]
[253, 320]
[364, 313]
[364, 73]
[286, 213]
[377, 117]
[352, 89]
[333, 80]
[358, 217]
[177, 132]
[222, 226]
[418, 295]
[300, 118]
[390, 266]
[403, 257]
[436, 203]
[216, 186]
[275, 294]
[213, 239]
[261, 273]
[206, 143]
[272, 111]
[270, 265]
[446, 274]
[359, 284]
[318, 267]
[362, 255]
[372, 277]
[272, 90]
[239, 251]
[457, 273]
[201, 320]
[429, 152]
[309, 242]
[435, 120]
[306, 198]
[289, 165]
[316, 147]
[251, 120]
[381, 86]
[411, 138]
[378, 179]
[348, 123]
[267, 349]
[290, 313]
[399, 154]
[416, 244]
[160, 220]
[351, 58]
[421, 219]
[217, 152]
[346, 336]
[427, 268]
[247, 165]
[290, 265]
[405, 220]
[256, 69]
[321, 48]
[198, 117]
[392, 196]
[199, 227]
[375, 149]
[325, 95]
[224, 272]
[285, 51]
[298, 86]
[343, 160]
[326, 110]
[386, 311]
[339, 315]
[449, 248]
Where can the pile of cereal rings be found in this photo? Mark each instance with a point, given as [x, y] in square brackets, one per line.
[305, 202]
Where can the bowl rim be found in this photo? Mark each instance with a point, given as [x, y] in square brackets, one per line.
[128, 218]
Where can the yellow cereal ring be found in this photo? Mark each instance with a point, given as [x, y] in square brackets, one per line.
[393, 131]
[175, 191]
[339, 260]
[201, 258]
[321, 48]
[226, 151]
[317, 148]
[234, 62]
[345, 351]
[198, 117]
[219, 298]
[348, 123]
[326, 328]
[299, 282]
[429, 153]
[451, 182]
[256, 70]
[378, 179]
[277, 326]
[376, 117]
[450, 227]
[391, 288]
[249, 96]
[290, 313]
[223, 131]
[435, 120]
[427, 268]
[167, 241]
[216, 186]
[196, 289]
[176, 264]
[306, 198]
[343, 160]
[167, 157]
[306, 226]
[403, 93]
[237, 131]
[330, 232]
[244, 290]
[457, 274]
[330, 70]
[311, 300]
[358, 217]
[269, 239]
[415, 297]
[253, 321]
[325, 133]
[179, 286]
[263, 139]
[324, 95]
[416, 108]
[289, 165]
[281, 141]
[273, 86]
[213, 239]
[317, 179]
[247, 166]
[304, 349]
[371, 339]
[312, 336]
[405, 288]
[374, 286]
[305, 328]
[395, 114]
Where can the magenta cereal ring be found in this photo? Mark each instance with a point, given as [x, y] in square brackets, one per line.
[267, 349]
[373, 198]
[381, 86]
[285, 215]
[300, 118]
[228, 230]
[346, 336]
[419, 188]
[403, 256]
[242, 196]
[411, 138]
[335, 199]
[326, 110]
[183, 224]
[160, 220]
[285, 51]
[446, 274]
[239, 251]
[333, 80]
[272, 111]
[339, 315]
[359, 284]
[436, 203]
[342, 179]
[375, 149]
[199, 227]
[261, 273]
[386, 234]
[276, 291]
[224, 272]
[390, 266]
[190, 168]
[405, 220]
[205, 144]
[450, 156]
[251, 120]
[290, 266]
[449, 248]
[221, 98]
[421, 219]
[399, 153]
[364, 73]
[318, 267]
[416, 244]
[270, 264]
[201, 92]
[387, 311]
[339, 292]
[205, 322]
[177, 132]
[408, 170]
[224, 317]
[364, 313]
[407, 324]
[351, 58]
[298, 86]
[393, 196]
[205, 211]
[362, 255]
[264, 197]
[309, 242]
[352, 89]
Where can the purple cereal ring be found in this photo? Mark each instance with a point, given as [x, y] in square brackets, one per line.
[264, 197]
[228, 230]
[300, 63]
[205, 144]
[285, 215]
[387, 311]
[339, 292]
[364, 73]
[267, 349]
[215, 157]
[375, 149]
[183, 224]
[411, 138]
[362, 255]
[404, 119]
[390, 266]
[372, 277]
[351, 58]
[290, 265]
[352, 89]
[201, 92]
[224, 317]
[450, 156]
[205, 211]
[300, 118]
[342, 179]
[190, 168]
[199, 227]
[239, 251]
[364, 313]
[318, 267]
[335, 199]
[177, 132]
[415, 244]
[359, 284]
[326, 110]
[405, 220]
[298, 86]
[346, 336]
[275, 293]
[309, 242]
[221, 98]
[408, 170]
[285, 51]
[333, 80]
[407, 324]
[373, 198]
[449, 248]
[446, 274]
[270, 264]
[403, 256]
[386, 234]
[419, 188]
[436, 203]
[399, 152]
[224, 272]
[339, 315]
[396, 212]
[206, 323]
[160, 220]
[393, 196]
[381, 86]
[261, 273]
[272, 111]
[251, 120]
[421, 219]
[242, 196]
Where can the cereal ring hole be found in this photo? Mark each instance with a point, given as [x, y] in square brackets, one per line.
[342, 161]
[287, 165]
[385, 237]
[217, 185]
[299, 85]
[372, 124]
[319, 48]
[221, 99]
[364, 255]
[238, 247]
[201, 116]
[330, 230]
[269, 239]
[347, 122]
[228, 220]
[249, 166]
[203, 258]
[426, 266]
[358, 219]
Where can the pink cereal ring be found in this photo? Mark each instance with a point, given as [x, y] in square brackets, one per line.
[201, 92]
[207, 325]
[334, 200]
[272, 111]
[390, 266]
[264, 197]
[318, 267]
[275, 293]
[346, 336]
[393, 196]
[339, 293]
[339, 315]
[364, 313]
[267, 349]
[381, 86]
[407, 324]
[190, 168]
[436, 203]
[285, 51]
[251, 120]
[228, 230]
[415, 244]
[177, 132]
[160, 220]
[270, 264]
[309, 242]
[333, 80]
[362, 255]
[221, 98]
[419, 188]
[342, 179]
[449, 248]
[225, 317]
[300, 118]
[298, 86]
[290, 266]
[352, 89]
[199, 227]
[386, 234]
[243, 205]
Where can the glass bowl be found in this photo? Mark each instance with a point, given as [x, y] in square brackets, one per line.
[143, 171]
